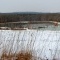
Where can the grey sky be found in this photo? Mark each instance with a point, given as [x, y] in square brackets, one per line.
[29, 5]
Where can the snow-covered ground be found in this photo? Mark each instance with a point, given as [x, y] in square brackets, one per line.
[45, 43]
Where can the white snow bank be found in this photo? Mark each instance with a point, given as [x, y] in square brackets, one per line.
[45, 43]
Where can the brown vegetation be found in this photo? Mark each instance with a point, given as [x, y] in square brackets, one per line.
[11, 17]
[18, 56]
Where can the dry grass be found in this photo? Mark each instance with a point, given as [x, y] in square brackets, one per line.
[23, 55]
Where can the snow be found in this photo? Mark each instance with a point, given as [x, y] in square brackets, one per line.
[45, 43]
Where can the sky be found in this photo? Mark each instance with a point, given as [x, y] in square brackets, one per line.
[29, 6]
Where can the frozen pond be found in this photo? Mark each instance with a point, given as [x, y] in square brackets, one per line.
[43, 40]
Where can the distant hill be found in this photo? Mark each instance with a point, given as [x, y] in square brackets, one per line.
[23, 13]
[28, 16]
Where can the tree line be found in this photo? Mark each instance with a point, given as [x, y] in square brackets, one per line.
[14, 17]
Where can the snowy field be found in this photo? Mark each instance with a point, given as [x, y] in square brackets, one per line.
[45, 43]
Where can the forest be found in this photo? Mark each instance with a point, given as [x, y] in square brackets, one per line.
[16, 17]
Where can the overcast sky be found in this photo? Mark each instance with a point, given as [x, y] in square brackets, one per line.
[29, 5]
